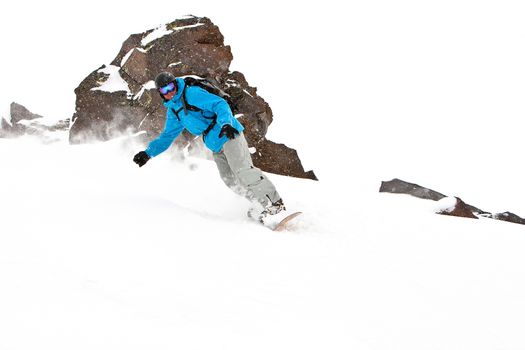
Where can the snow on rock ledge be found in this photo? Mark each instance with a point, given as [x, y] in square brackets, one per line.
[445, 205]
[118, 99]
[454, 206]
[113, 82]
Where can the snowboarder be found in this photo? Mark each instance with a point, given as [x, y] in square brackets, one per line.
[203, 113]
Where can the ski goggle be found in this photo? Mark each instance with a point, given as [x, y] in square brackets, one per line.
[167, 89]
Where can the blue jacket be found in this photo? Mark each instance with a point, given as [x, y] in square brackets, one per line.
[196, 122]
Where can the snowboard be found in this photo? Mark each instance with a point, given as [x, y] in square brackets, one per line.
[283, 225]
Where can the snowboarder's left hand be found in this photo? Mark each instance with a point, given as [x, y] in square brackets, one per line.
[141, 158]
[229, 131]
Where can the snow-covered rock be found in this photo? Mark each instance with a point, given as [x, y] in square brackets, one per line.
[445, 205]
[24, 122]
[118, 99]
[454, 206]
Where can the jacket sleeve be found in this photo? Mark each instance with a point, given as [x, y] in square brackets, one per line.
[204, 100]
[172, 129]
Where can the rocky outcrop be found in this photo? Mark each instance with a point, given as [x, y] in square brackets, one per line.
[510, 217]
[20, 122]
[403, 187]
[19, 113]
[455, 207]
[24, 122]
[121, 97]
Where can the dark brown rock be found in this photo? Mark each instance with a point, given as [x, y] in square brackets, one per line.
[19, 112]
[4, 124]
[18, 126]
[132, 42]
[510, 217]
[403, 187]
[24, 122]
[134, 69]
[460, 209]
[8, 130]
[272, 156]
[190, 46]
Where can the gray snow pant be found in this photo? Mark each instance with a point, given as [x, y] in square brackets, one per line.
[238, 173]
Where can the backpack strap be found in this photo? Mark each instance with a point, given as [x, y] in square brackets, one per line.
[213, 87]
[188, 107]
[176, 112]
[211, 126]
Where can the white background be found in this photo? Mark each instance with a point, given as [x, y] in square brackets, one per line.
[385, 84]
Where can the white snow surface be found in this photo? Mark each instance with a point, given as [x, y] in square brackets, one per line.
[114, 82]
[163, 30]
[446, 204]
[98, 253]
[148, 86]
[188, 26]
[28, 122]
[157, 33]
[126, 57]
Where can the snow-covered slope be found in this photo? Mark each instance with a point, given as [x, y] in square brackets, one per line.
[96, 253]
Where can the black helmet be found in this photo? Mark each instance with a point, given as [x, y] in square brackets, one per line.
[163, 79]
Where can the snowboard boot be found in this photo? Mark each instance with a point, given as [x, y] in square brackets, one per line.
[275, 211]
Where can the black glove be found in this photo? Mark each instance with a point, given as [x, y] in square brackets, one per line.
[141, 158]
[229, 131]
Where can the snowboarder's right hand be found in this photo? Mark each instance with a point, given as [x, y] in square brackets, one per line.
[141, 158]
[228, 131]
